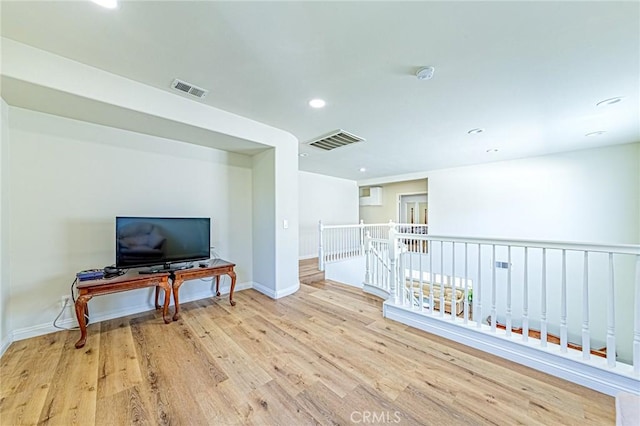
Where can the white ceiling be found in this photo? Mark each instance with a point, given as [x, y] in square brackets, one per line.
[529, 73]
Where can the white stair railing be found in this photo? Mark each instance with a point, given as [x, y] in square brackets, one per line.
[341, 242]
[577, 300]
[594, 278]
[377, 261]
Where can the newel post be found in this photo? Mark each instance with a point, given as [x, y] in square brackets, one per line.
[320, 248]
[367, 258]
[393, 257]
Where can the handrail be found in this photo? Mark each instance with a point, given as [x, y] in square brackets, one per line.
[633, 249]
[353, 226]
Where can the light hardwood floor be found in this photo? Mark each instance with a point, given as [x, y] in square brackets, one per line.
[324, 355]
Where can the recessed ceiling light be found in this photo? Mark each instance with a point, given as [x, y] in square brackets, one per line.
[109, 4]
[492, 150]
[611, 101]
[303, 154]
[475, 131]
[598, 133]
[317, 103]
[363, 169]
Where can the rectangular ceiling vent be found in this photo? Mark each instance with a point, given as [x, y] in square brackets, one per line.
[335, 139]
[189, 88]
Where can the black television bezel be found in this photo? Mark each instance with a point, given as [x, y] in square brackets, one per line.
[166, 264]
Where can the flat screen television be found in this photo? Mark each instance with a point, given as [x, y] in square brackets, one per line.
[161, 241]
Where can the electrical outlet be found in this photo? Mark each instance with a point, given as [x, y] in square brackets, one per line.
[65, 301]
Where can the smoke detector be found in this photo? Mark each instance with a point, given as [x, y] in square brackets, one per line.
[189, 88]
[425, 73]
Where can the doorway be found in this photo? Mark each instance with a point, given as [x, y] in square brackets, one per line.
[413, 209]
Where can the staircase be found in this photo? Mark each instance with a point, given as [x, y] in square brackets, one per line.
[308, 271]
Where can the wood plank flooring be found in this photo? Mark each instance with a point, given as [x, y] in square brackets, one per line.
[322, 356]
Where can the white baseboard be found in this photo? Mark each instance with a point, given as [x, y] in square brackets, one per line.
[376, 291]
[288, 291]
[568, 366]
[47, 328]
[276, 294]
[4, 344]
[308, 256]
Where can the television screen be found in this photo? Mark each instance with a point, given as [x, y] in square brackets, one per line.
[148, 241]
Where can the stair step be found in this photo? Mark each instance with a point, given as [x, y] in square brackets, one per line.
[308, 271]
[309, 279]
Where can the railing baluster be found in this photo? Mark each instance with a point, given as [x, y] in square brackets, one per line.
[477, 293]
[367, 258]
[454, 306]
[320, 247]
[586, 338]
[421, 278]
[466, 286]
[327, 245]
[525, 297]
[356, 247]
[543, 301]
[410, 255]
[611, 317]
[393, 243]
[494, 310]
[508, 312]
[384, 257]
[432, 285]
[401, 279]
[563, 304]
[382, 276]
[442, 278]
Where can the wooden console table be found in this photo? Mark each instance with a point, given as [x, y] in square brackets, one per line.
[213, 268]
[129, 281]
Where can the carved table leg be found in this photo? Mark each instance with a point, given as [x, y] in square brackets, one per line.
[232, 274]
[167, 298]
[176, 289]
[81, 308]
[218, 285]
[158, 290]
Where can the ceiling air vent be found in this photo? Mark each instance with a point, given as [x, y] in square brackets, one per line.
[335, 139]
[189, 88]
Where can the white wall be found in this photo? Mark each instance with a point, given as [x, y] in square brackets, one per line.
[285, 166]
[264, 218]
[589, 195]
[69, 179]
[332, 200]
[5, 325]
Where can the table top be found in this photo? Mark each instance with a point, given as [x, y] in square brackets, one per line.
[134, 275]
[131, 275]
[215, 263]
